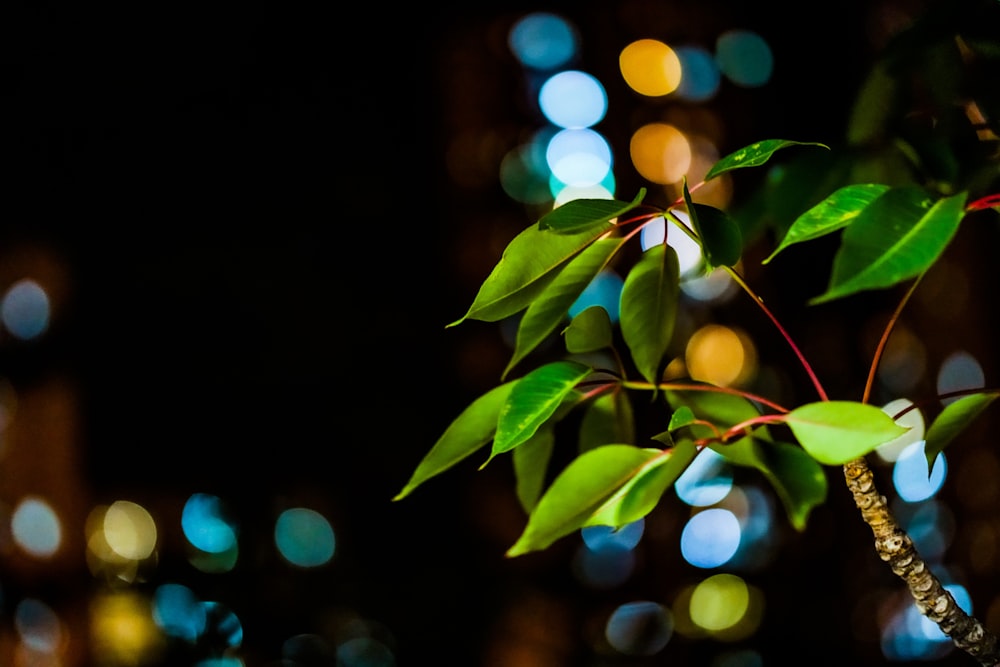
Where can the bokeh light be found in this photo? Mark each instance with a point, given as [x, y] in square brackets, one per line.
[177, 611]
[959, 371]
[123, 630]
[25, 310]
[721, 355]
[304, 537]
[719, 602]
[710, 538]
[205, 525]
[129, 530]
[639, 628]
[744, 57]
[36, 528]
[706, 481]
[579, 157]
[660, 153]
[690, 258]
[700, 78]
[525, 175]
[910, 475]
[573, 99]
[913, 420]
[543, 40]
[650, 67]
[605, 290]
[38, 626]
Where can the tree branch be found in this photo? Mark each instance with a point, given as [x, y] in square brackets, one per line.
[895, 547]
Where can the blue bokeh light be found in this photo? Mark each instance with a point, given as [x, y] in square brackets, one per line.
[711, 538]
[204, 525]
[573, 99]
[543, 40]
[910, 477]
[605, 290]
[639, 628]
[304, 537]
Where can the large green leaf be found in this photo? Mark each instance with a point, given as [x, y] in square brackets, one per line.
[720, 236]
[833, 213]
[531, 463]
[589, 331]
[534, 398]
[578, 215]
[473, 428]
[648, 309]
[797, 478]
[896, 237]
[637, 497]
[952, 420]
[835, 432]
[753, 155]
[578, 491]
[528, 264]
[608, 418]
[551, 307]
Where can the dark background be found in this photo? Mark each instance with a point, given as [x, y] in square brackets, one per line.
[261, 249]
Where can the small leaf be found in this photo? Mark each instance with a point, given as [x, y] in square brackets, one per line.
[835, 432]
[681, 417]
[589, 331]
[551, 307]
[833, 213]
[531, 462]
[472, 429]
[753, 155]
[580, 489]
[720, 236]
[534, 398]
[529, 263]
[643, 491]
[578, 215]
[608, 418]
[648, 309]
[952, 420]
[896, 237]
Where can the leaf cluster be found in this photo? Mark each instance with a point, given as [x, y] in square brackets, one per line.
[888, 235]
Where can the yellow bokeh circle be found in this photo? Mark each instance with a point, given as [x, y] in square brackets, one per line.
[660, 153]
[650, 67]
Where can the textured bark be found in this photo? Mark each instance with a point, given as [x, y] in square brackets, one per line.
[896, 548]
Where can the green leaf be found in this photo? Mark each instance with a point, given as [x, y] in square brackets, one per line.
[531, 462]
[534, 398]
[896, 237]
[719, 408]
[753, 155]
[578, 215]
[648, 309]
[472, 429]
[796, 477]
[529, 263]
[835, 432]
[551, 307]
[608, 418]
[952, 420]
[637, 497]
[833, 213]
[589, 331]
[680, 418]
[578, 491]
[720, 236]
